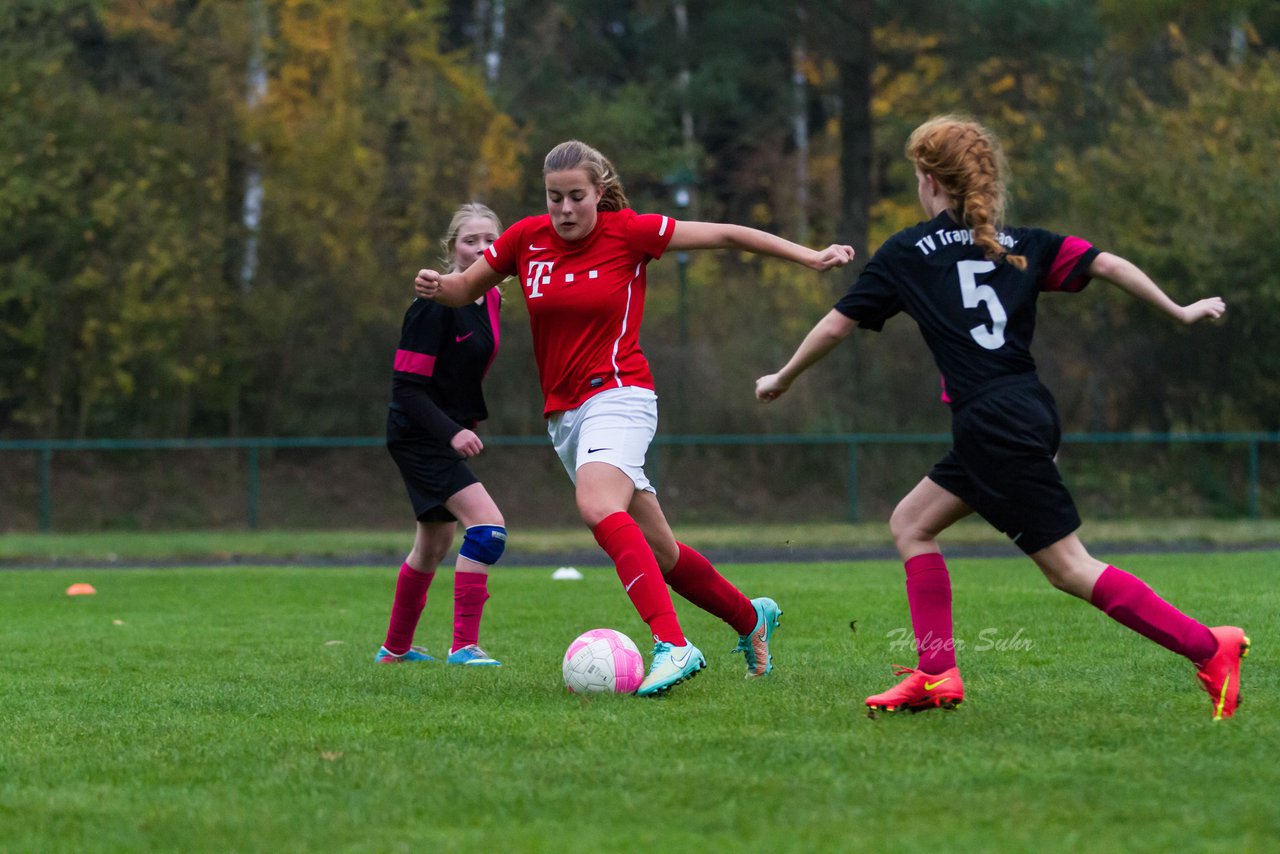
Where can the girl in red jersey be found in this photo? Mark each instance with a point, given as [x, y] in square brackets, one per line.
[971, 286]
[582, 267]
[436, 402]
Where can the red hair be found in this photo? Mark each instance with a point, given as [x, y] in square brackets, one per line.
[966, 160]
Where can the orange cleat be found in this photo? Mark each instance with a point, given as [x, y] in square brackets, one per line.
[1220, 675]
[919, 691]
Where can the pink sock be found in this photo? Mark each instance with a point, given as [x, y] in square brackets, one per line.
[624, 542]
[406, 608]
[929, 597]
[694, 578]
[1129, 601]
[470, 592]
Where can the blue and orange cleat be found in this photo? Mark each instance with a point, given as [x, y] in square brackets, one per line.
[1220, 675]
[919, 691]
[755, 646]
[414, 654]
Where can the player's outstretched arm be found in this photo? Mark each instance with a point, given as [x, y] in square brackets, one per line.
[1128, 277]
[457, 289]
[718, 235]
[821, 340]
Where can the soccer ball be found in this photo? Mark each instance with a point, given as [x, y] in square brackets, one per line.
[602, 660]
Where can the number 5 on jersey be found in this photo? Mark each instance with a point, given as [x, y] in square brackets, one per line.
[974, 295]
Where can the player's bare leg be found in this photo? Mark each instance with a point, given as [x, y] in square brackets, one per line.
[1069, 567]
[647, 512]
[922, 515]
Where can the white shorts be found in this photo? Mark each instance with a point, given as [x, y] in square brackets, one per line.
[614, 427]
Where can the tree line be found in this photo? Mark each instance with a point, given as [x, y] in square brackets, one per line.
[210, 212]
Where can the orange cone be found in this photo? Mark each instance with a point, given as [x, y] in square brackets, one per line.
[81, 590]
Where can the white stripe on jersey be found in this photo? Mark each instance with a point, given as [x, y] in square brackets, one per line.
[663, 229]
[625, 314]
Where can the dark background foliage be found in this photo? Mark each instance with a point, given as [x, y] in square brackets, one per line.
[139, 299]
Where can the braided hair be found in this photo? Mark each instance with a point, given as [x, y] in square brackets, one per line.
[966, 160]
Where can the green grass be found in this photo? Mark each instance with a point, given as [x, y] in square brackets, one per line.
[528, 545]
[238, 710]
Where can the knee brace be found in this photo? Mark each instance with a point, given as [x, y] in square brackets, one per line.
[484, 543]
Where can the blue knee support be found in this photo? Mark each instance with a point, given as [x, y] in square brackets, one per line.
[484, 543]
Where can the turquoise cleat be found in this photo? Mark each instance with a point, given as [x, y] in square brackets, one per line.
[755, 646]
[415, 654]
[671, 666]
[472, 656]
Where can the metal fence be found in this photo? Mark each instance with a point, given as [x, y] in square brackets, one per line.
[1248, 444]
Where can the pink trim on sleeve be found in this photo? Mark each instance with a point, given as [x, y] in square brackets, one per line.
[415, 363]
[1063, 275]
[493, 302]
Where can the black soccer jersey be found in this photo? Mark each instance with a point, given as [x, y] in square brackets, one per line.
[443, 356]
[976, 317]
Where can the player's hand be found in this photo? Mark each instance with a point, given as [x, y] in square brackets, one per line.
[835, 255]
[467, 443]
[1212, 308]
[770, 387]
[427, 286]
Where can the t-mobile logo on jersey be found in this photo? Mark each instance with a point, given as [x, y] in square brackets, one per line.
[539, 274]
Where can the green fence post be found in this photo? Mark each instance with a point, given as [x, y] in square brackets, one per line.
[1253, 479]
[46, 490]
[851, 504]
[253, 488]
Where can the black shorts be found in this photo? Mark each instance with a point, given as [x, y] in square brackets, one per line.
[432, 470]
[1001, 464]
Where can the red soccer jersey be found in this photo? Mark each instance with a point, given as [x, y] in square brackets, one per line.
[585, 299]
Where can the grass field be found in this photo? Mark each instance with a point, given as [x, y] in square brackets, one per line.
[237, 709]
[537, 545]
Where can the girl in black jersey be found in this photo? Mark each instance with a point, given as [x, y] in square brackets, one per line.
[436, 402]
[971, 286]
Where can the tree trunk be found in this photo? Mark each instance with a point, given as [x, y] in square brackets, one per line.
[800, 125]
[251, 213]
[854, 59]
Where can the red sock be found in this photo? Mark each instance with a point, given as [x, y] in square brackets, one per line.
[694, 578]
[624, 542]
[406, 609]
[470, 592]
[929, 597]
[1129, 601]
